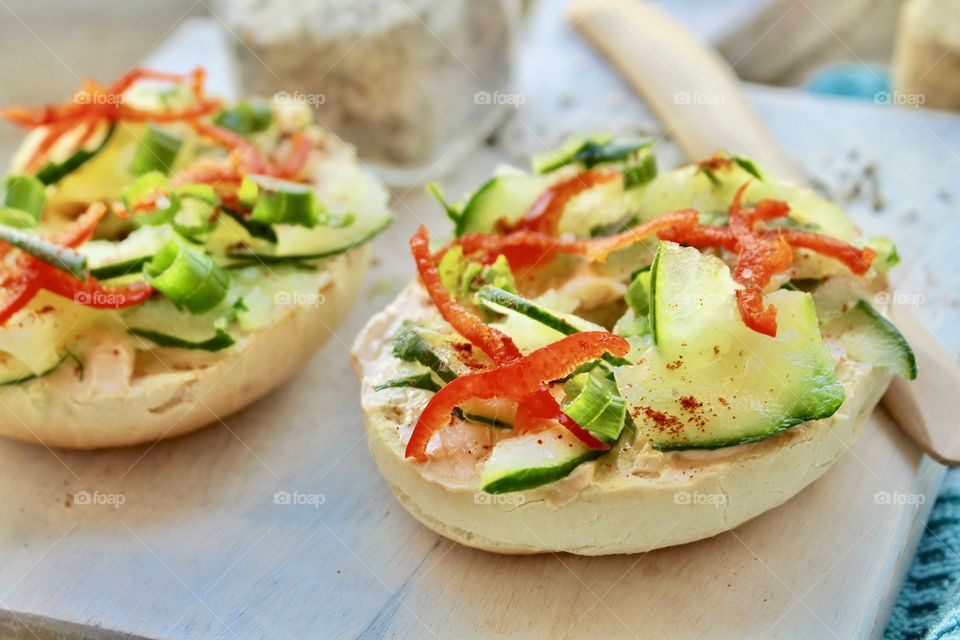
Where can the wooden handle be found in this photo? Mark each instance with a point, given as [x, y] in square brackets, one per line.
[699, 99]
[927, 408]
[690, 87]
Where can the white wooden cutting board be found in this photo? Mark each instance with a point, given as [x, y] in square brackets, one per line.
[200, 548]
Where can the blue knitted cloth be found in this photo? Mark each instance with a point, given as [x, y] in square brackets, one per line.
[929, 604]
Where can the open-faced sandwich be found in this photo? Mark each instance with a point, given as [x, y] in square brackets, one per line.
[607, 359]
[168, 258]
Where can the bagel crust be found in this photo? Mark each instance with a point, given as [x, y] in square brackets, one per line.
[626, 502]
[186, 391]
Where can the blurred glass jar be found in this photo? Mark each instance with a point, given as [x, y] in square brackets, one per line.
[413, 84]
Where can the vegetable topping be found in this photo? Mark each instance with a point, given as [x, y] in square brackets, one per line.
[517, 380]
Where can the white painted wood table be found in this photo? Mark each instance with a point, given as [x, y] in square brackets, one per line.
[201, 548]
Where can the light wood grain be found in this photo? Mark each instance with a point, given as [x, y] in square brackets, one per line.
[199, 549]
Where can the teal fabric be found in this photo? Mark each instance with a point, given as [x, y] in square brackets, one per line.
[929, 604]
[852, 81]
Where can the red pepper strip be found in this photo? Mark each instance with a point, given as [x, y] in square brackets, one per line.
[760, 258]
[767, 210]
[499, 347]
[83, 228]
[248, 156]
[544, 216]
[531, 246]
[701, 237]
[515, 380]
[90, 292]
[521, 248]
[857, 260]
[16, 290]
[539, 406]
[50, 138]
[739, 223]
[540, 409]
[599, 248]
[135, 75]
[290, 166]
[30, 275]
[107, 103]
[95, 104]
[76, 233]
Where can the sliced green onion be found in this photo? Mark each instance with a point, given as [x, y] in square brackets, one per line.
[53, 172]
[151, 185]
[118, 269]
[451, 268]
[21, 201]
[53, 254]
[641, 173]
[749, 166]
[194, 218]
[156, 152]
[423, 381]
[191, 280]
[593, 153]
[638, 293]
[589, 151]
[598, 408]
[887, 256]
[256, 229]
[454, 211]
[711, 175]
[410, 346]
[245, 117]
[247, 193]
[463, 278]
[283, 202]
[566, 153]
[221, 340]
[201, 192]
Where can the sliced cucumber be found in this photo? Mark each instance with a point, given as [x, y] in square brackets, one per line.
[504, 198]
[532, 460]
[869, 337]
[295, 244]
[638, 293]
[13, 371]
[35, 340]
[687, 288]
[109, 259]
[62, 164]
[502, 301]
[217, 342]
[161, 322]
[710, 381]
[546, 327]
[496, 412]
